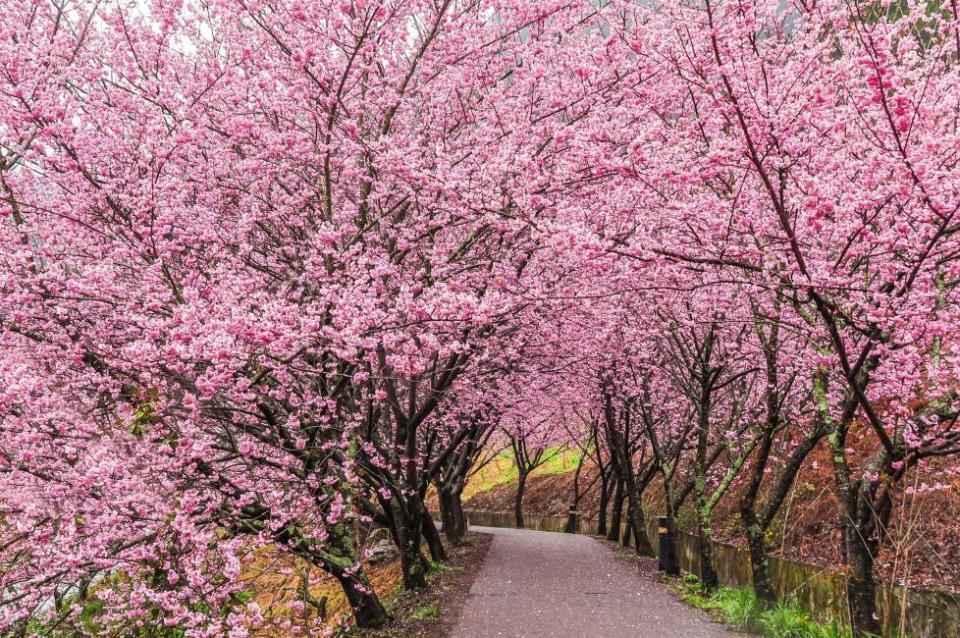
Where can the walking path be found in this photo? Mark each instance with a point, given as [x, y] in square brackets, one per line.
[546, 584]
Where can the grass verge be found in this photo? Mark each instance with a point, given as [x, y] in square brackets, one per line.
[741, 609]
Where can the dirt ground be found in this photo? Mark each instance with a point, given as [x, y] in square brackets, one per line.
[435, 612]
[276, 580]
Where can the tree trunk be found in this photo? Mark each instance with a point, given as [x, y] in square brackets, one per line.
[604, 504]
[756, 521]
[366, 607]
[619, 497]
[637, 522]
[627, 529]
[445, 500]
[643, 538]
[338, 560]
[859, 534]
[451, 515]
[459, 516]
[405, 526]
[759, 565]
[518, 503]
[708, 573]
[671, 556]
[572, 527]
[432, 536]
[861, 588]
[573, 517]
[414, 566]
[861, 539]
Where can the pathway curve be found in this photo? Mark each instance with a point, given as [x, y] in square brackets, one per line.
[545, 584]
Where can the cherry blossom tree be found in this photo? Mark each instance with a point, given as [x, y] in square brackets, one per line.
[819, 147]
[253, 243]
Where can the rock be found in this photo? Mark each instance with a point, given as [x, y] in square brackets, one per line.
[383, 551]
[377, 535]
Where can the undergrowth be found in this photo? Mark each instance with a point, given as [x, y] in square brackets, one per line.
[741, 609]
[431, 611]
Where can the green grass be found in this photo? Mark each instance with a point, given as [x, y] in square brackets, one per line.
[438, 567]
[423, 613]
[503, 469]
[741, 609]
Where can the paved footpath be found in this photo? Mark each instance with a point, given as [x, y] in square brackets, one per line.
[546, 584]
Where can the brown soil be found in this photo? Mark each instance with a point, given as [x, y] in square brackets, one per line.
[548, 495]
[447, 594]
[276, 580]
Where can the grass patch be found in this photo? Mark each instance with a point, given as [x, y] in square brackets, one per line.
[503, 469]
[623, 554]
[741, 609]
[436, 567]
[423, 613]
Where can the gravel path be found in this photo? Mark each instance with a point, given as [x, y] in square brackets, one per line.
[539, 584]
